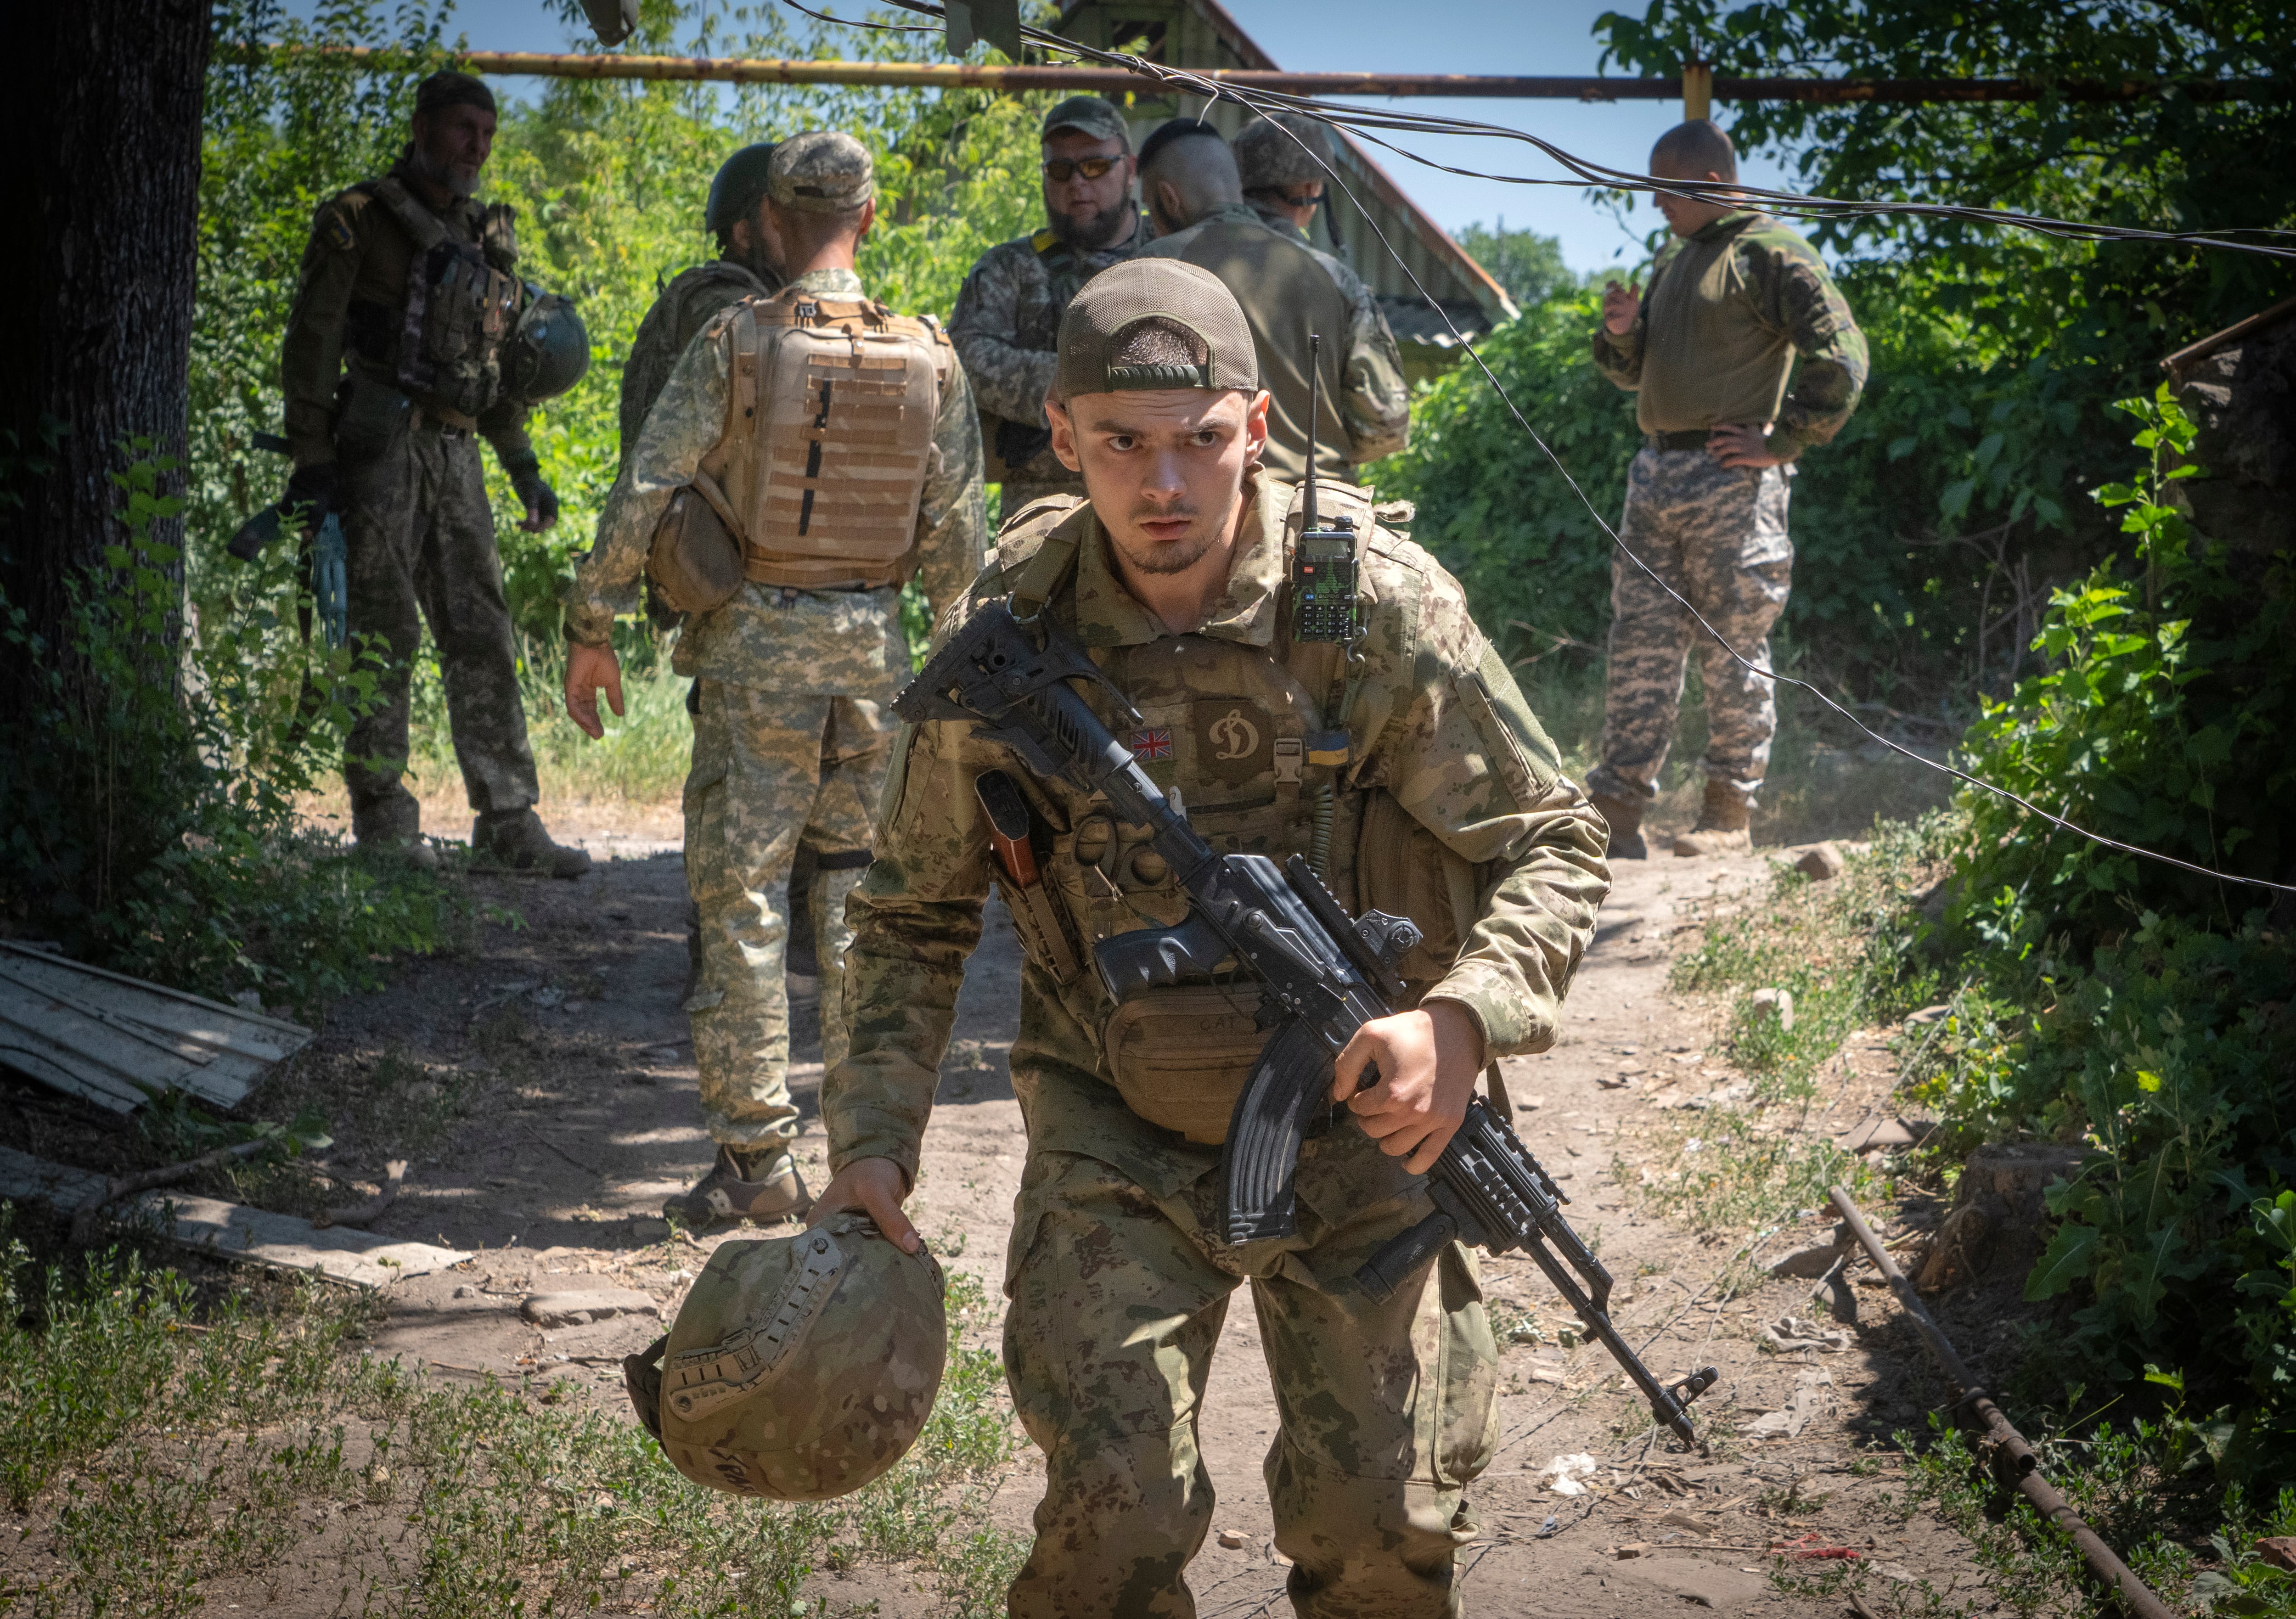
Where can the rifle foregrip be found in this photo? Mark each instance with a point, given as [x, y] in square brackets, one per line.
[1383, 1274]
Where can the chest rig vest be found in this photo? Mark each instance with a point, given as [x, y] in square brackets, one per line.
[462, 304]
[1254, 742]
[830, 408]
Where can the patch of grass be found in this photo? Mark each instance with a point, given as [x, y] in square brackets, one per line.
[151, 1449]
[1512, 1323]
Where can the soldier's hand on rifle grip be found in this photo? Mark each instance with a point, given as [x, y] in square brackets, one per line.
[1426, 1063]
[587, 670]
[877, 1188]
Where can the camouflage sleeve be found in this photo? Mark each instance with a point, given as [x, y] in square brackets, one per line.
[1007, 380]
[953, 517]
[311, 356]
[1463, 753]
[1618, 355]
[1375, 400]
[503, 426]
[1799, 300]
[916, 917]
[686, 419]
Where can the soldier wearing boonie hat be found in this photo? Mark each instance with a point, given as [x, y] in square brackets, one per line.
[1008, 315]
[1407, 767]
[837, 442]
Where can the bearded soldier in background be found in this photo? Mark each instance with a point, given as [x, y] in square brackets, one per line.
[1008, 315]
[393, 359]
[837, 446]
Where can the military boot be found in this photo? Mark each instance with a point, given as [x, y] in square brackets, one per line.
[1625, 816]
[1723, 823]
[760, 1187]
[393, 830]
[514, 840]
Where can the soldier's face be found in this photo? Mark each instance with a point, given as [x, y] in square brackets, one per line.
[1686, 215]
[453, 143]
[1081, 208]
[1164, 467]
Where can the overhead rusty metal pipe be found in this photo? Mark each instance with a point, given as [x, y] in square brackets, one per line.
[969, 76]
[2010, 1455]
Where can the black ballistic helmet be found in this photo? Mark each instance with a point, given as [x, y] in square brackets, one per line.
[549, 351]
[739, 187]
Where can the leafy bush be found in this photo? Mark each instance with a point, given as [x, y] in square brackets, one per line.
[2161, 1039]
[153, 828]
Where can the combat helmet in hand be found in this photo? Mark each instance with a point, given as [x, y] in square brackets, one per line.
[548, 351]
[800, 1367]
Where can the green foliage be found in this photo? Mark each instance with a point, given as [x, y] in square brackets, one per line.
[148, 813]
[1492, 507]
[2157, 723]
[1527, 265]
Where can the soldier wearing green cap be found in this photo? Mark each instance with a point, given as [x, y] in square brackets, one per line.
[1009, 312]
[391, 368]
[1408, 767]
[839, 441]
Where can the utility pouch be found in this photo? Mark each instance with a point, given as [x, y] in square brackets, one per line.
[695, 560]
[1404, 870]
[369, 417]
[1181, 1057]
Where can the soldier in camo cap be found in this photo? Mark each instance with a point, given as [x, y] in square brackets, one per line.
[838, 507]
[1709, 350]
[1419, 781]
[1009, 311]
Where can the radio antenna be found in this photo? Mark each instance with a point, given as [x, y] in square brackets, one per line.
[1315, 415]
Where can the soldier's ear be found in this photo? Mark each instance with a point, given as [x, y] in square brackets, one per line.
[1063, 426]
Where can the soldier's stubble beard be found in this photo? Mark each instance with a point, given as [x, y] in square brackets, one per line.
[459, 181]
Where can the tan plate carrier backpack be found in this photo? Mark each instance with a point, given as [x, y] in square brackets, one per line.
[817, 478]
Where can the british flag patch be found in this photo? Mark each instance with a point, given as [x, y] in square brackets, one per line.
[1154, 744]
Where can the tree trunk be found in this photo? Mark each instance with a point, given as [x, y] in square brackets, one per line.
[101, 132]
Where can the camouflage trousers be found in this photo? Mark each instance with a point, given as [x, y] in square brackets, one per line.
[1717, 535]
[420, 539]
[1386, 1412]
[771, 768]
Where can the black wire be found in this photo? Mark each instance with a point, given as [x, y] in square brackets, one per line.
[1217, 91]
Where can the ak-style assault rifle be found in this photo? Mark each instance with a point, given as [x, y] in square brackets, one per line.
[1324, 976]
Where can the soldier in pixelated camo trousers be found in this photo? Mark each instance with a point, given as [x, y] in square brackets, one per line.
[841, 442]
[1409, 768]
[1709, 350]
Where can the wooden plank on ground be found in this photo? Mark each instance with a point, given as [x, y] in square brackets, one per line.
[105, 1036]
[231, 1230]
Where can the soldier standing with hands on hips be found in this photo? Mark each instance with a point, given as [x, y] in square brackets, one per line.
[831, 446]
[1709, 352]
[1405, 763]
[406, 309]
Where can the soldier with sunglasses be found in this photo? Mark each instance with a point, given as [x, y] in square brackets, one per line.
[1009, 313]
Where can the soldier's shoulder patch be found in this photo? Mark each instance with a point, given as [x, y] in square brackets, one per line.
[1043, 241]
[335, 231]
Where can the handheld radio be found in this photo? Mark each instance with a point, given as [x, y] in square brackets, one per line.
[1323, 605]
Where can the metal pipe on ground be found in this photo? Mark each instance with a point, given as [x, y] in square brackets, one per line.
[986, 75]
[2006, 1447]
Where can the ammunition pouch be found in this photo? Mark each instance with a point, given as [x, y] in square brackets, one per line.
[696, 560]
[1181, 1057]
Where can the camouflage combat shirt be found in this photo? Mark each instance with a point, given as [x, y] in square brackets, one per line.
[1726, 312]
[1434, 720]
[350, 299]
[1365, 407]
[1006, 327]
[770, 637]
[679, 313]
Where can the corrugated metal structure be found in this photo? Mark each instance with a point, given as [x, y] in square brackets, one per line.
[1200, 34]
[118, 1040]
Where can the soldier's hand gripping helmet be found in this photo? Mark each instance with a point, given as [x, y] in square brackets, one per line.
[548, 350]
[798, 1368]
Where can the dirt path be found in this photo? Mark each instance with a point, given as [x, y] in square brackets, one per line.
[550, 1076]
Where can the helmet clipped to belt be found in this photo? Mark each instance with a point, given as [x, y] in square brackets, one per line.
[548, 352]
[800, 1367]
